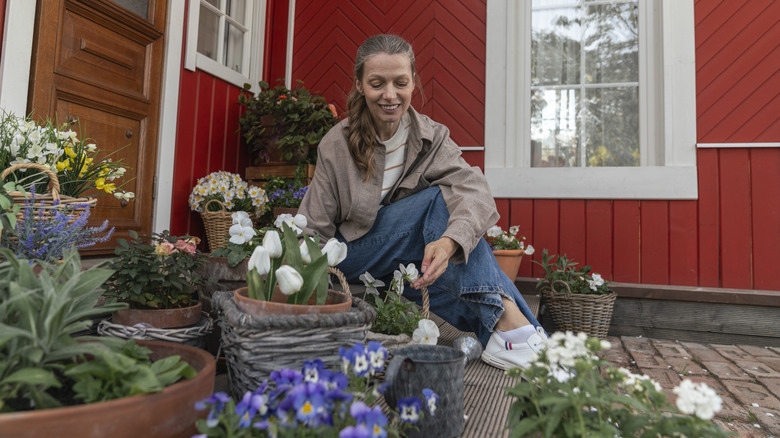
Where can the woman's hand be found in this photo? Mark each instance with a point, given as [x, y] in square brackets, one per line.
[435, 260]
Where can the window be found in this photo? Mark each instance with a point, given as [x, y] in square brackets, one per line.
[591, 99]
[223, 36]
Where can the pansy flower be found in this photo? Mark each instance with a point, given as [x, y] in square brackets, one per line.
[248, 407]
[431, 399]
[377, 354]
[217, 402]
[312, 370]
[409, 409]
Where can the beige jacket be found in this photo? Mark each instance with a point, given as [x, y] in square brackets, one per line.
[339, 198]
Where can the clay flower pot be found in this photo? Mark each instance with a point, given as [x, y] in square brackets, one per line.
[159, 318]
[336, 302]
[509, 261]
[167, 414]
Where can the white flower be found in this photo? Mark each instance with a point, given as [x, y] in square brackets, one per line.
[494, 231]
[260, 261]
[305, 256]
[595, 281]
[124, 195]
[529, 250]
[336, 251]
[514, 229]
[371, 283]
[242, 218]
[240, 234]
[409, 272]
[273, 243]
[296, 223]
[288, 279]
[698, 399]
[398, 282]
[427, 333]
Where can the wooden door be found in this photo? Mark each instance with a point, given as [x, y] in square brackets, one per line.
[100, 63]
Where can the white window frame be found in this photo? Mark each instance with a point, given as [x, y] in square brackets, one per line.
[253, 52]
[667, 112]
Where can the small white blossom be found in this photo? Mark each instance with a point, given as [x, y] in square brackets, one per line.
[296, 223]
[426, 333]
[409, 272]
[494, 231]
[240, 234]
[698, 399]
[371, 283]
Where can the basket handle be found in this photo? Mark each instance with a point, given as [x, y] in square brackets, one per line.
[206, 207]
[54, 182]
[342, 279]
[567, 292]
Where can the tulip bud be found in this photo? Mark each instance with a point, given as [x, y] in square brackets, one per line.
[260, 261]
[288, 279]
[273, 243]
[336, 251]
[305, 256]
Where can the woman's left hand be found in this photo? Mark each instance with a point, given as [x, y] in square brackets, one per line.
[435, 261]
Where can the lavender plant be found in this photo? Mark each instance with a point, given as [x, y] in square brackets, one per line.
[47, 233]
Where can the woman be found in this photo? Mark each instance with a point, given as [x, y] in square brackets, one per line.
[392, 184]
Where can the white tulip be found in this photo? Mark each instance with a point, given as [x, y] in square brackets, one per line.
[273, 243]
[260, 261]
[288, 279]
[336, 251]
[305, 256]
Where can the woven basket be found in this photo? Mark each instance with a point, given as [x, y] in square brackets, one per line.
[217, 224]
[49, 202]
[402, 340]
[255, 346]
[579, 312]
[194, 335]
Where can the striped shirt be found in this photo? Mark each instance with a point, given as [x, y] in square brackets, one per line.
[395, 156]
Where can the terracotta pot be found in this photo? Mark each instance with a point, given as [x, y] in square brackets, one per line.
[217, 268]
[159, 318]
[509, 261]
[166, 414]
[336, 302]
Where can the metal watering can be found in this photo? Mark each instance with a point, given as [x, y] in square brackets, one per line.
[439, 368]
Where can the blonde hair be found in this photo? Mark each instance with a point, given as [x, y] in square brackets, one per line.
[361, 134]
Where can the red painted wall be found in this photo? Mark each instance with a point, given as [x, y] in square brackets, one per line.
[2, 22]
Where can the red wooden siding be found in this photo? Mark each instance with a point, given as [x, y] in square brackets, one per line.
[449, 43]
[2, 22]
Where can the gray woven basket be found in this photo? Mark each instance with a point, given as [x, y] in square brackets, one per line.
[255, 346]
[194, 335]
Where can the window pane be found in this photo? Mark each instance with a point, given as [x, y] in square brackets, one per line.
[214, 3]
[236, 9]
[555, 47]
[554, 128]
[207, 33]
[138, 7]
[234, 49]
[611, 121]
[611, 42]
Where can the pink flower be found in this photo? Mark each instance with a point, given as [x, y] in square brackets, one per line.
[183, 245]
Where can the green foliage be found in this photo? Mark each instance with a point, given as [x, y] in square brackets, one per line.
[159, 273]
[126, 372]
[559, 268]
[394, 314]
[298, 119]
[8, 208]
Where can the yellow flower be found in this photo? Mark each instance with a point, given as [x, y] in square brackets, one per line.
[62, 165]
[71, 153]
[88, 161]
[100, 183]
[109, 188]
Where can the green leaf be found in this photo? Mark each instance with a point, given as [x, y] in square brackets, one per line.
[311, 275]
[32, 376]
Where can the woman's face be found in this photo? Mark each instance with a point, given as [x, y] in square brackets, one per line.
[387, 84]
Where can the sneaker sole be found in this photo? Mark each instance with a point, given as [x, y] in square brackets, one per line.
[496, 362]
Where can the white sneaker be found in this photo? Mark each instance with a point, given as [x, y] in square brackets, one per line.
[505, 355]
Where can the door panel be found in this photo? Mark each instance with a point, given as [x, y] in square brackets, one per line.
[102, 64]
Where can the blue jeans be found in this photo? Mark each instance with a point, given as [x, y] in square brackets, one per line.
[466, 295]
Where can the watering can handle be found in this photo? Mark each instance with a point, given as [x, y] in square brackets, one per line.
[391, 372]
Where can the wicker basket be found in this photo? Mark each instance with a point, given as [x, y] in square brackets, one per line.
[256, 346]
[48, 202]
[579, 312]
[194, 335]
[217, 224]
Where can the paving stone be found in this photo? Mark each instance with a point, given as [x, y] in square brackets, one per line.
[733, 352]
[757, 351]
[637, 344]
[773, 362]
[758, 369]
[772, 384]
[667, 378]
[726, 370]
[745, 430]
[702, 352]
[647, 360]
[617, 357]
[685, 366]
[670, 348]
[768, 418]
[749, 393]
[730, 408]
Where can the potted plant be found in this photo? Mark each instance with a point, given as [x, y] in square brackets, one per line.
[158, 278]
[570, 390]
[578, 300]
[28, 148]
[285, 195]
[508, 248]
[219, 194]
[281, 124]
[56, 383]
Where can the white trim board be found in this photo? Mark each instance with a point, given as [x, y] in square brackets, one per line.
[17, 55]
[738, 145]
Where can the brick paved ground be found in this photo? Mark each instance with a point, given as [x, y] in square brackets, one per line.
[746, 377]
